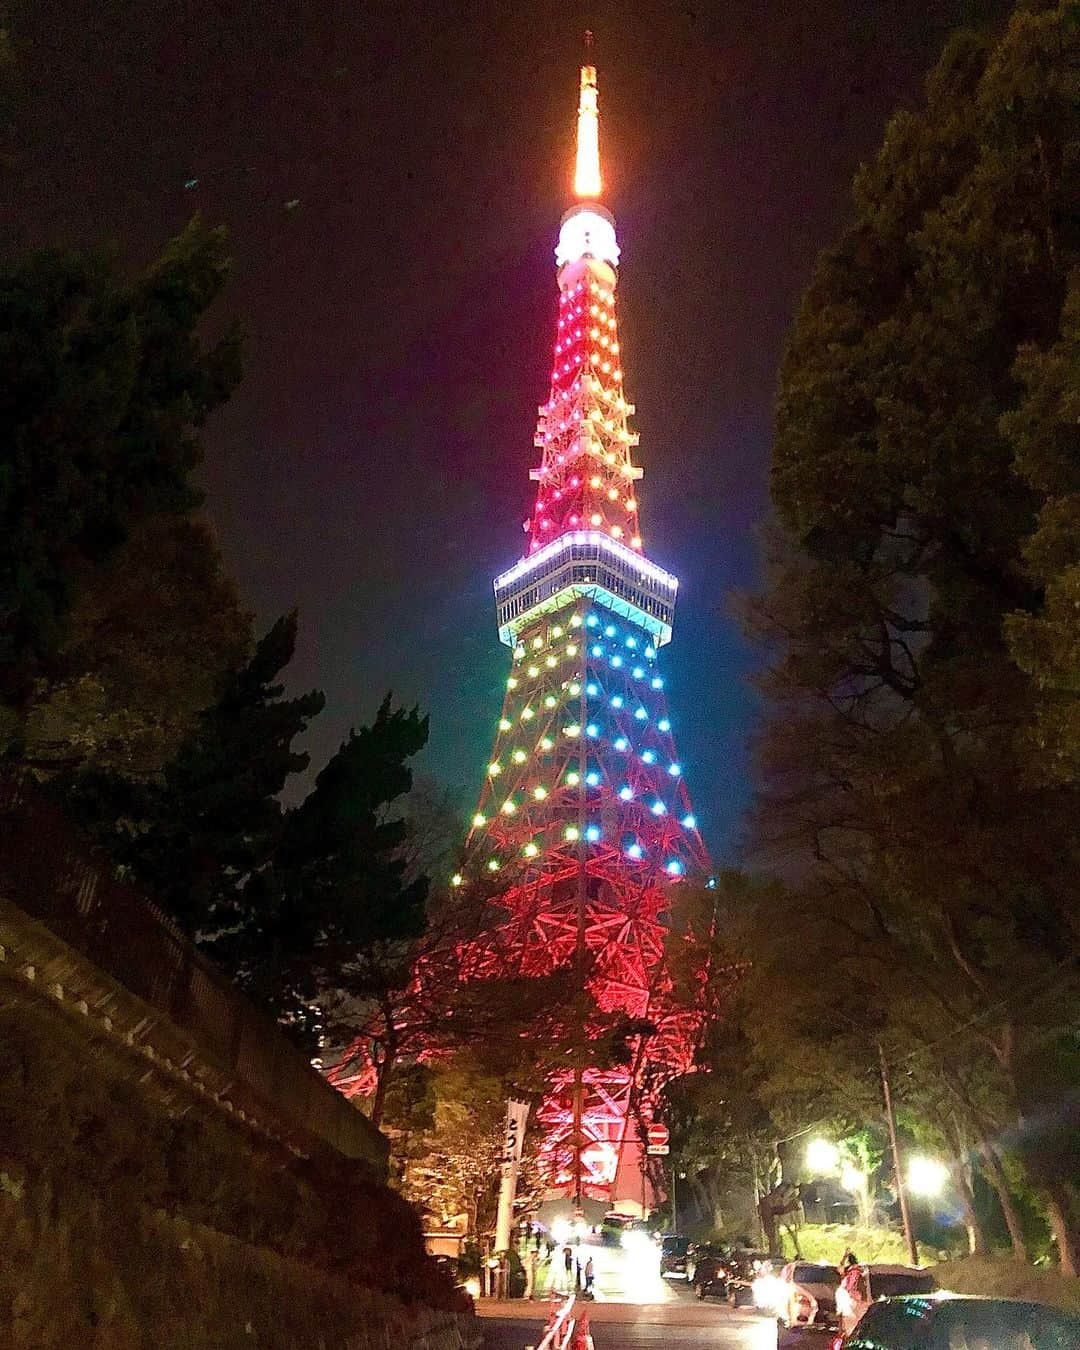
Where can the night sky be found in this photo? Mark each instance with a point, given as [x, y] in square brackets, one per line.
[373, 467]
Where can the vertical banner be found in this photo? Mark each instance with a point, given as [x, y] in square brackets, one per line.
[516, 1115]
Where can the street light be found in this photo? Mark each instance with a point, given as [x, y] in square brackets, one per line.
[926, 1176]
[822, 1157]
[852, 1178]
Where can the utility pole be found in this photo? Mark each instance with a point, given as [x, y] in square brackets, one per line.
[674, 1207]
[901, 1191]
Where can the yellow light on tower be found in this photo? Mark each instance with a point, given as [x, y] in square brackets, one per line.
[587, 166]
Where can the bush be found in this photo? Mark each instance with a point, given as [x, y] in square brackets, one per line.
[1009, 1279]
[828, 1242]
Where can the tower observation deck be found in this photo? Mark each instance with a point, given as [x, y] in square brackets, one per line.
[584, 810]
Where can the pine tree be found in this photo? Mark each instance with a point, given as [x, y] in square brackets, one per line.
[106, 385]
[334, 909]
[198, 839]
[917, 615]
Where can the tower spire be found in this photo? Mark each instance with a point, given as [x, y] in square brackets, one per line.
[587, 182]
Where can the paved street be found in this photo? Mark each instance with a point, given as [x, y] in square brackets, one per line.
[634, 1308]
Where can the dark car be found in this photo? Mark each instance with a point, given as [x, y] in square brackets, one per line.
[673, 1253]
[741, 1268]
[945, 1322]
[705, 1272]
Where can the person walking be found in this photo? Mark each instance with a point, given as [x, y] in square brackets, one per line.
[589, 1277]
[568, 1263]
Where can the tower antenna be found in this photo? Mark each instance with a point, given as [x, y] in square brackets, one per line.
[587, 182]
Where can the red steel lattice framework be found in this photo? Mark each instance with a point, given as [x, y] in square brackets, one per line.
[584, 808]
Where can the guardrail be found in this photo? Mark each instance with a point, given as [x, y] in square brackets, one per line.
[53, 877]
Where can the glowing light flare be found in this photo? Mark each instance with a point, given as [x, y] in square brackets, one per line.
[926, 1176]
[822, 1157]
[852, 1178]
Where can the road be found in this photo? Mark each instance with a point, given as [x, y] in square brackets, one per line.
[634, 1310]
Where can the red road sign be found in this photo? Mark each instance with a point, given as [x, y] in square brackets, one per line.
[656, 1134]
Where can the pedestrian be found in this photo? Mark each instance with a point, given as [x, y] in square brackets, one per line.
[577, 1273]
[850, 1273]
[568, 1262]
[589, 1277]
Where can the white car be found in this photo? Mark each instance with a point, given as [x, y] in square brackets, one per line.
[805, 1296]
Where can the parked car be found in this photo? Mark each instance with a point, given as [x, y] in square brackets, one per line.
[948, 1322]
[673, 1252]
[805, 1296]
[879, 1281]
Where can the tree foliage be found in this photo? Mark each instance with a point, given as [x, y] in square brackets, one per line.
[919, 796]
[153, 636]
[106, 385]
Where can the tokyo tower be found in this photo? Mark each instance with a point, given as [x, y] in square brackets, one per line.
[584, 810]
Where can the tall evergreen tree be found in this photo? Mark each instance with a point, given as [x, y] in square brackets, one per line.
[106, 385]
[197, 838]
[910, 788]
[334, 908]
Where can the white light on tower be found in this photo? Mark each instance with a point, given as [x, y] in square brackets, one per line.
[589, 234]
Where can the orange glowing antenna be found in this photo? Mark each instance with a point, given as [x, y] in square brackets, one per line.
[587, 166]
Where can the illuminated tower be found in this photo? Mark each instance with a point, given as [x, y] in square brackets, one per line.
[584, 809]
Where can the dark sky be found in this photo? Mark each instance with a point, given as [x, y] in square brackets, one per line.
[372, 469]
